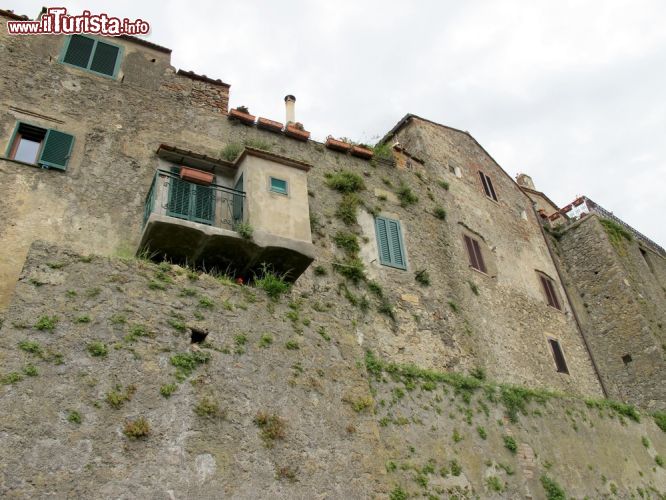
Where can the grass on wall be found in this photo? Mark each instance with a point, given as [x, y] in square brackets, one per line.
[616, 233]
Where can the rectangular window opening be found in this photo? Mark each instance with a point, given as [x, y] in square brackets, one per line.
[278, 185]
[39, 146]
[551, 294]
[558, 355]
[474, 254]
[92, 54]
[488, 186]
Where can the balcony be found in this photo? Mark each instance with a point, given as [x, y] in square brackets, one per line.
[194, 224]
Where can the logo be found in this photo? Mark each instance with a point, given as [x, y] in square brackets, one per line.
[56, 21]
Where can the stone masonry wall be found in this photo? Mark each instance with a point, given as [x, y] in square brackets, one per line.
[510, 314]
[88, 345]
[462, 320]
[117, 125]
[622, 307]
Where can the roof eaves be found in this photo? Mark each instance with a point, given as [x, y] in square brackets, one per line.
[145, 43]
[260, 153]
[202, 78]
[191, 154]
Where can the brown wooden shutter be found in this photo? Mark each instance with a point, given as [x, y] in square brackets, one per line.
[491, 188]
[559, 356]
[471, 253]
[544, 283]
[485, 184]
[479, 256]
[551, 287]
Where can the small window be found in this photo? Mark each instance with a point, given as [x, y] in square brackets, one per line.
[390, 244]
[474, 253]
[40, 146]
[278, 185]
[488, 186]
[92, 54]
[626, 359]
[558, 355]
[549, 289]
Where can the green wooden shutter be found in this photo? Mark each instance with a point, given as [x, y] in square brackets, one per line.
[79, 50]
[395, 240]
[56, 150]
[237, 202]
[104, 59]
[203, 209]
[389, 243]
[179, 198]
[382, 241]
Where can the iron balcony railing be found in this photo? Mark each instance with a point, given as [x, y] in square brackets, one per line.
[213, 204]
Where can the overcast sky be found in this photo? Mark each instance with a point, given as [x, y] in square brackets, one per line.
[571, 93]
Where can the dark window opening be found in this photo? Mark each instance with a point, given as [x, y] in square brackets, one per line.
[488, 186]
[38, 146]
[27, 143]
[558, 355]
[549, 290]
[474, 253]
[626, 359]
[198, 336]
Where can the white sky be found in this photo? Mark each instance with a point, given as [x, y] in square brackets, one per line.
[572, 93]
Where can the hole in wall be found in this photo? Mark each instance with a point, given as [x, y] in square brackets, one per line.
[198, 336]
[626, 359]
[152, 60]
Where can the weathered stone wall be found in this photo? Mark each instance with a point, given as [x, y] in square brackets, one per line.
[352, 429]
[621, 302]
[462, 320]
[510, 315]
[117, 124]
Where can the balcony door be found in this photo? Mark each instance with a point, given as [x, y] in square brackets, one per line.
[191, 201]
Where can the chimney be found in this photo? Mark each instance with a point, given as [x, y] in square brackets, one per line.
[290, 105]
[525, 181]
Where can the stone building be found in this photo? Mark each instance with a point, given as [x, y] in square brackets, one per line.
[112, 151]
[422, 257]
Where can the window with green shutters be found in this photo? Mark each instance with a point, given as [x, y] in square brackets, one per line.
[191, 201]
[390, 243]
[48, 148]
[92, 54]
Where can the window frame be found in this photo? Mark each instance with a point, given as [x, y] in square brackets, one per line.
[13, 146]
[277, 191]
[549, 289]
[561, 365]
[488, 187]
[116, 68]
[391, 262]
[474, 254]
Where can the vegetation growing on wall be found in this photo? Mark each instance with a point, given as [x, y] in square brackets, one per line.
[616, 233]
